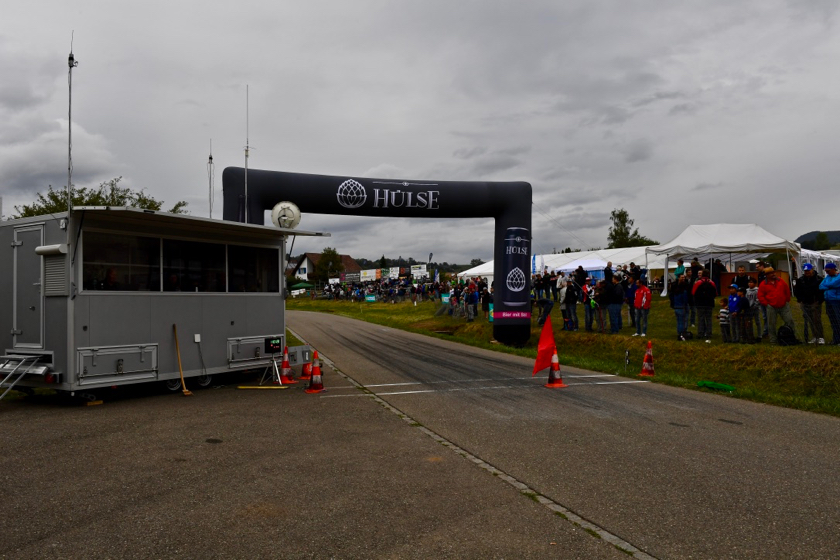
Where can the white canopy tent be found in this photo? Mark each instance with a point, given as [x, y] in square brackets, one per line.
[816, 258]
[742, 242]
[589, 260]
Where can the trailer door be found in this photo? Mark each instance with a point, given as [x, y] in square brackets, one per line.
[28, 310]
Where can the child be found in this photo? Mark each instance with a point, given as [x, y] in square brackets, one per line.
[734, 320]
[745, 328]
[723, 318]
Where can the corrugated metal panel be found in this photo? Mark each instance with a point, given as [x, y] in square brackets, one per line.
[55, 278]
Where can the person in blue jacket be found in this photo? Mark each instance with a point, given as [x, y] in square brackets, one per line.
[831, 286]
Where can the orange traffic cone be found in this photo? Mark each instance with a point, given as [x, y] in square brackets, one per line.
[647, 365]
[316, 383]
[554, 379]
[306, 371]
[286, 377]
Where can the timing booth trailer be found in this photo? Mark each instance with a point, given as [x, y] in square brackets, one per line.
[90, 297]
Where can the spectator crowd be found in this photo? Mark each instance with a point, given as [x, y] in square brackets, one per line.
[754, 306]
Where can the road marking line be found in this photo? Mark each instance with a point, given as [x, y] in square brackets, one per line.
[419, 391]
[568, 375]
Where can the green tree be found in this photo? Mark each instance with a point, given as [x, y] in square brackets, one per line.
[383, 262]
[329, 265]
[620, 235]
[476, 262]
[821, 242]
[109, 193]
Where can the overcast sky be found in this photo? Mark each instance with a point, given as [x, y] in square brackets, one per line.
[688, 112]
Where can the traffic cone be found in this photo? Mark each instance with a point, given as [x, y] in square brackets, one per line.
[306, 371]
[647, 365]
[286, 377]
[316, 383]
[554, 379]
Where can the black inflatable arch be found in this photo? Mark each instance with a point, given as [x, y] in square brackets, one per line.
[508, 203]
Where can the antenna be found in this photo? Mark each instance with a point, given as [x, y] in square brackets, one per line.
[72, 63]
[247, 149]
[211, 176]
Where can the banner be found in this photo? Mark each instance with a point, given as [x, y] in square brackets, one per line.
[418, 271]
[444, 298]
[369, 275]
[394, 272]
[350, 277]
[370, 297]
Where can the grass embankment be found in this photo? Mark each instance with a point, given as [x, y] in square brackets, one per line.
[804, 377]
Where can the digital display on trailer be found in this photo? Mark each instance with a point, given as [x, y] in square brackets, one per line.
[273, 345]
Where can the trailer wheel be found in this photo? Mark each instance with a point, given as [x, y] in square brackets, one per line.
[204, 381]
[173, 384]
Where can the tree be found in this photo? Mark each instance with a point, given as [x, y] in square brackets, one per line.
[383, 262]
[329, 265]
[620, 235]
[821, 242]
[476, 262]
[109, 193]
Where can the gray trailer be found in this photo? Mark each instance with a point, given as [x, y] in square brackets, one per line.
[88, 299]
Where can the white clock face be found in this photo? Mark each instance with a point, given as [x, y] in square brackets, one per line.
[285, 215]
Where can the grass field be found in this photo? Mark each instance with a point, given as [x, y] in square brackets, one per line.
[804, 377]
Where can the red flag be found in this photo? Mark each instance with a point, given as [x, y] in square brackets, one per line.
[546, 347]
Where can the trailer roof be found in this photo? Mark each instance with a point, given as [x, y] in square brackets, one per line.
[140, 216]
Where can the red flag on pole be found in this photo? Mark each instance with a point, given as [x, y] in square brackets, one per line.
[546, 347]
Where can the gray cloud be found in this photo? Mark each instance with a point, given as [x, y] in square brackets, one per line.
[495, 163]
[638, 150]
[469, 153]
[563, 95]
[707, 186]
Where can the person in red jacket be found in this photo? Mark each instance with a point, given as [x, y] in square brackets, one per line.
[775, 294]
[641, 306]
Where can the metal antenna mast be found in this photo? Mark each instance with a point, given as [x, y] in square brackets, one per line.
[247, 149]
[72, 63]
[211, 175]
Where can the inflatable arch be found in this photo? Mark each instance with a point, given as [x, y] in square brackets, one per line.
[508, 203]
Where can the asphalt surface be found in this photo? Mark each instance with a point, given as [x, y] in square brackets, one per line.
[230, 473]
[675, 473]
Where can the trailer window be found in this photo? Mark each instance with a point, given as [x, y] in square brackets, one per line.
[191, 266]
[120, 262]
[253, 269]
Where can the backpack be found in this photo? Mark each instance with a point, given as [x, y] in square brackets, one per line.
[786, 336]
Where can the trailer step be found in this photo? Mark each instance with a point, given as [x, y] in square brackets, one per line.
[18, 365]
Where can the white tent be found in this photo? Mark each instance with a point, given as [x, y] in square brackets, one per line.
[715, 240]
[589, 260]
[741, 242]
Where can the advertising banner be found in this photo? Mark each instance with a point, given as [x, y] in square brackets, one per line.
[350, 277]
[418, 271]
[370, 297]
[368, 275]
[394, 272]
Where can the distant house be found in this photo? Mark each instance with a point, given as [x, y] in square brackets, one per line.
[305, 267]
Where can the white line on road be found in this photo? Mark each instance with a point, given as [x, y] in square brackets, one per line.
[480, 388]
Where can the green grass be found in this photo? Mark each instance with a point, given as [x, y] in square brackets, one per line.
[804, 377]
[292, 340]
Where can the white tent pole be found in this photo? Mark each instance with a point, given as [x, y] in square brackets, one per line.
[664, 291]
